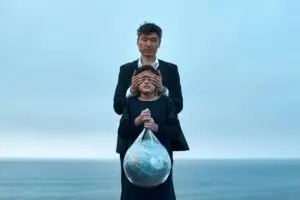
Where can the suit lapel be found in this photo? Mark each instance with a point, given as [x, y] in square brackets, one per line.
[162, 66]
[163, 71]
[134, 65]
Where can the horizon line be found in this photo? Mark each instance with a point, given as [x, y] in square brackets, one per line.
[116, 159]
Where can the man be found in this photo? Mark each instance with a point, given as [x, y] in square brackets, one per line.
[148, 42]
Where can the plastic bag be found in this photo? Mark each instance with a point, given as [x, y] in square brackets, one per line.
[147, 162]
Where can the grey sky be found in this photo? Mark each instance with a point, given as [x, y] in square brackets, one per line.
[239, 66]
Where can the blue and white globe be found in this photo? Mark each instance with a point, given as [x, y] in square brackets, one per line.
[147, 163]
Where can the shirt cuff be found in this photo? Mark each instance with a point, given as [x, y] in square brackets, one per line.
[166, 92]
[128, 93]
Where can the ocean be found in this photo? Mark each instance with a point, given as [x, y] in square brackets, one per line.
[193, 179]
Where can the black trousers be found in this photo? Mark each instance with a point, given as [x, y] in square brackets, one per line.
[122, 175]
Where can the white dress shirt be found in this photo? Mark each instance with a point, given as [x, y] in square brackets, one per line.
[155, 64]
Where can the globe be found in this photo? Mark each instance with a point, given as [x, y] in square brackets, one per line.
[147, 163]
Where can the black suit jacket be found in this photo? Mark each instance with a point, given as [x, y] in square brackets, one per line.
[170, 79]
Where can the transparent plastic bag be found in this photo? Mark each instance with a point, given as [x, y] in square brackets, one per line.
[147, 162]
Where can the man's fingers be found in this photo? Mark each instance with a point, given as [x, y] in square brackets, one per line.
[155, 78]
[136, 79]
[156, 83]
[136, 83]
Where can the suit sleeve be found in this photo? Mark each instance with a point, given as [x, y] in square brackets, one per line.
[175, 91]
[120, 91]
[127, 128]
[172, 128]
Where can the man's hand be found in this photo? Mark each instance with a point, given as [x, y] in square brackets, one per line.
[157, 81]
[151, 125]
[135, 82]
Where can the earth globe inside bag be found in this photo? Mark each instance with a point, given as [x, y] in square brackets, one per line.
[147, 162]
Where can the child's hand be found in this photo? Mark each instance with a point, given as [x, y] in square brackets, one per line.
[143, 117]
[151, 125]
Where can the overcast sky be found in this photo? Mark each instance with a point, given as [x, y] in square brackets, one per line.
[239, 65]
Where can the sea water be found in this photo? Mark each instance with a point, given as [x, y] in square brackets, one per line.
[193, 180]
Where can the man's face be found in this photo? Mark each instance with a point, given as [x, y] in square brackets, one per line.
[148, 44]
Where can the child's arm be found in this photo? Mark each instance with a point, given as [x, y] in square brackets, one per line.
[127, 127]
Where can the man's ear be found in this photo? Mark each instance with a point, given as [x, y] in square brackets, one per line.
[159, 42]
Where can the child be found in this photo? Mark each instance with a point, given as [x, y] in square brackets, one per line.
[161, 119]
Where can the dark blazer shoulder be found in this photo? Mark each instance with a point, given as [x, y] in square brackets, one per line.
[167, 64]
[129, 65]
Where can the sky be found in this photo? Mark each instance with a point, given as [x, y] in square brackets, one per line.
[238, 61]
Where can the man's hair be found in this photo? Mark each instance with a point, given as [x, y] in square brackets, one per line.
[146, 68]
[148, 28]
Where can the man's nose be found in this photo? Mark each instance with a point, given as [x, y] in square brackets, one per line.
[148, 43]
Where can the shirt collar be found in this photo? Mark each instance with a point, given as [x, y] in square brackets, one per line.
[155, 64]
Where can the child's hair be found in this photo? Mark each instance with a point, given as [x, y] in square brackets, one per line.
[145, 68]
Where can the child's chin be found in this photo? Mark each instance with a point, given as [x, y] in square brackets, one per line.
[147, 91]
